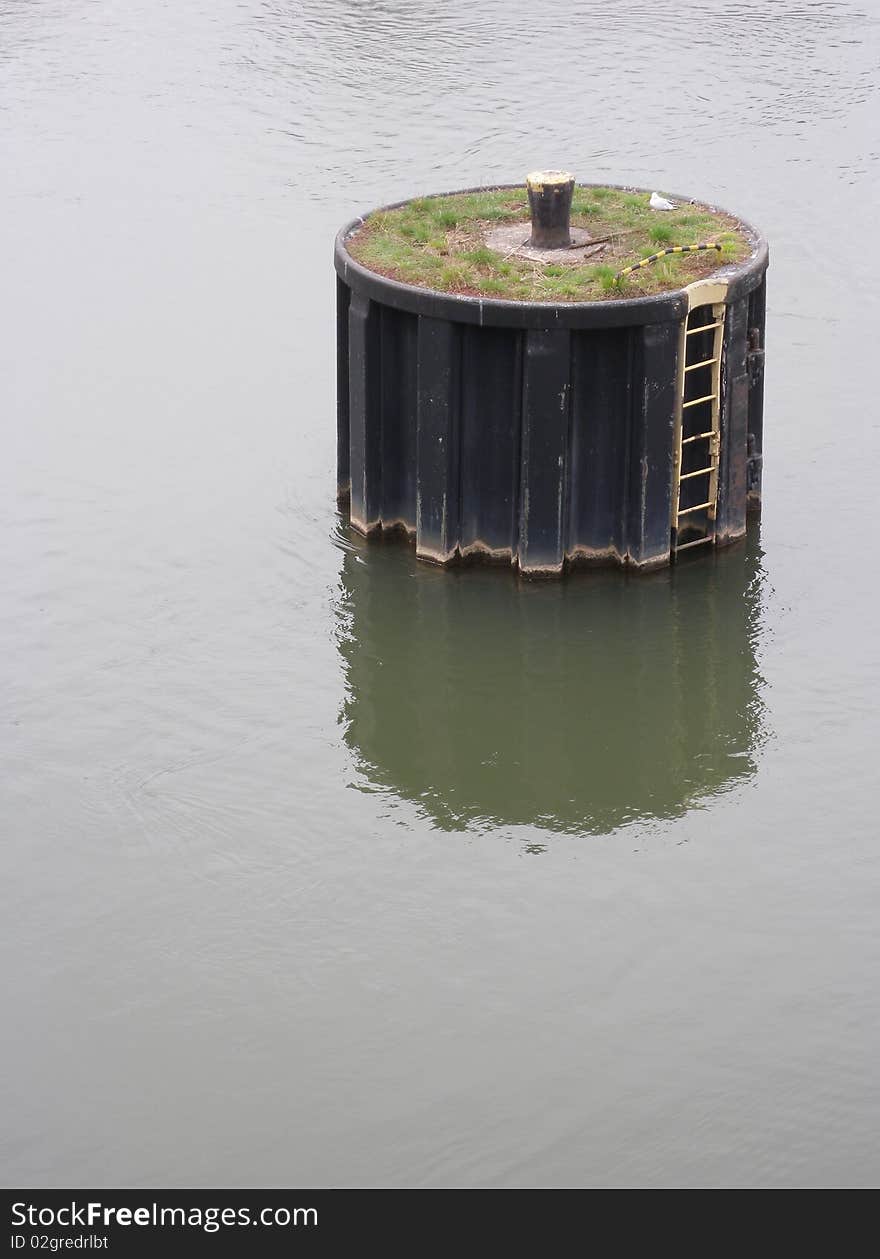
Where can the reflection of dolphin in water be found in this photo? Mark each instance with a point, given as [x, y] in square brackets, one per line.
[577, 706]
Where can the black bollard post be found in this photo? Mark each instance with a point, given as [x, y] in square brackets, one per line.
[550, 193]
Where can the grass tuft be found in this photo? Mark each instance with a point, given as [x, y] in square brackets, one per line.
[482, 256]
[604, 277]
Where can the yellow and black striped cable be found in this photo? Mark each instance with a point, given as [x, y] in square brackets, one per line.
[673, 249]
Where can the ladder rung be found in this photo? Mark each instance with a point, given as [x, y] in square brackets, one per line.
[698, 437]
[710, 537]
[699, 507]
[686, 476]
[707, 362]
[695, 402]
[705, 328]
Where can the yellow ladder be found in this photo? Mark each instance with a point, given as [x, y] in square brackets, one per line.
[698, 423]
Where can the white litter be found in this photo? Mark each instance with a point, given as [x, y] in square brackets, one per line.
[660, 203]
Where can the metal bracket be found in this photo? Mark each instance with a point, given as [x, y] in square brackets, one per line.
[755, 357]
[754, 466]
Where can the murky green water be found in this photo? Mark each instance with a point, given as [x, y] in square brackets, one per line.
[581, 707]
[321, 867]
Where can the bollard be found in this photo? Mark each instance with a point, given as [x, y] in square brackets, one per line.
[550, 193]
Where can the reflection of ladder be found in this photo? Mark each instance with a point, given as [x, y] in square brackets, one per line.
[698, 437]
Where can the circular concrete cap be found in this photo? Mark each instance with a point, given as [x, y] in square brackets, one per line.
[513, 240]
[549, 178]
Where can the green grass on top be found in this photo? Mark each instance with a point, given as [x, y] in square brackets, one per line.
[438, 243]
